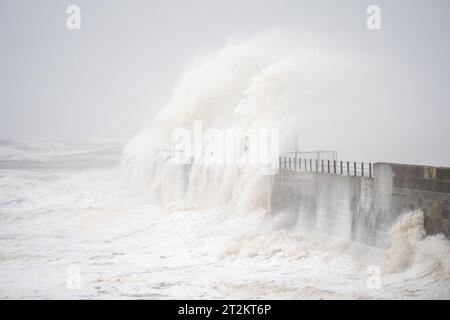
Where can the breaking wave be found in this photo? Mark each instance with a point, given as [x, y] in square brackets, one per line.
[411, 248]
[260, 83]
[265, 83]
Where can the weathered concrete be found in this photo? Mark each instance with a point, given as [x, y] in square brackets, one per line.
[426, 188]
[363, 209]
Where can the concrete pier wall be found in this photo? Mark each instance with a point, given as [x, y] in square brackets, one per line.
[360, 208]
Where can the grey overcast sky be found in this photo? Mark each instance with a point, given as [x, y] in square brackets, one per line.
[108, 79]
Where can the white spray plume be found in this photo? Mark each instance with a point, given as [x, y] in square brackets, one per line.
[261, 82]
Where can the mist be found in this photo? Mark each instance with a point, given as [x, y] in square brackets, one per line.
[108, 80]
[150, 150]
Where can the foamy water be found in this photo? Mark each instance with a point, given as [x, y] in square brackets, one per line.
[65, 206]
[86, 221]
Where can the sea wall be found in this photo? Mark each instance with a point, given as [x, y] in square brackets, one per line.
[360, 208]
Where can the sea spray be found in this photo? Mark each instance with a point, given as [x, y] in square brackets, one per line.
[411, 248]
[246, 86]
[260, 83]
[405, 234]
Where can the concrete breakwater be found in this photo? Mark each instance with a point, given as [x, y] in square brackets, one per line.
[363, 208]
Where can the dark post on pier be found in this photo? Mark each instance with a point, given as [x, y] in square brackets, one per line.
[333, 167]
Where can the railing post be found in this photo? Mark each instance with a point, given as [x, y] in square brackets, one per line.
[370, 169]
[362, 169]
[300, 164]
[328, 166]
[354, 168]
[306, 165]
[348, 168]
[317, 165]
[334, 166]
[341, 169]
[322, 164]
[285, 162]
[295, 163]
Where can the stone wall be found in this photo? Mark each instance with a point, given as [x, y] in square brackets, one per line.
[360, 208]
[426, 188]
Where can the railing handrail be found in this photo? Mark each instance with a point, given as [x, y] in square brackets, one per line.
[336, 167]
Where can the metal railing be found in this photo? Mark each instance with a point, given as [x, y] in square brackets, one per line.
[343, 168]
